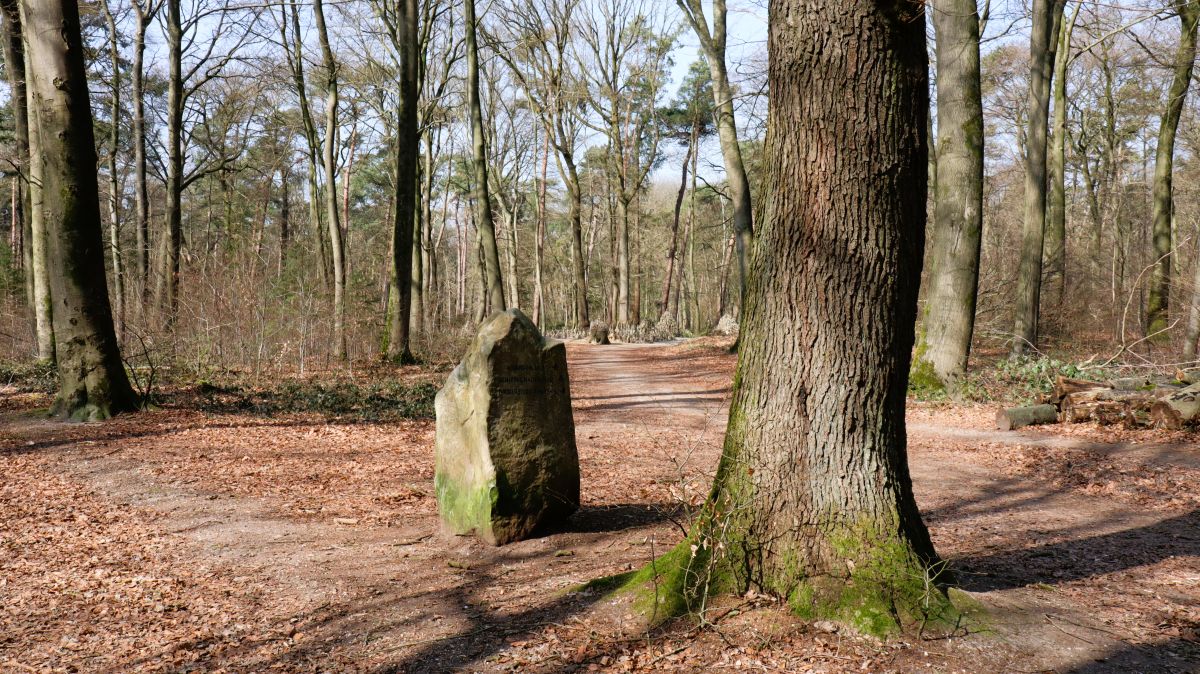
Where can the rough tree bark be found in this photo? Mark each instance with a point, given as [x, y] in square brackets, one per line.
[483, 201]
[812, 499]
[92, 380]
[1043, 44]
[1162, 195]
[949, 320]
[407, 150]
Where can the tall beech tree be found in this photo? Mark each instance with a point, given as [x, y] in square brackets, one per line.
[1055, 247]
[408, 148]
[812, 499]
[1043, 44]
[486, 224]
[337, 247]
[92, 380]
[144, 14]
[949, 320]
[1162, 195]
[114, 175]
[712, 42]
[33, 236]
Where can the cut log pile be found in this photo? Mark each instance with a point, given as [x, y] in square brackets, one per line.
[1133, 402]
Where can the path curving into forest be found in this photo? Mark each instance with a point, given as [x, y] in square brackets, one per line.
[320, 539]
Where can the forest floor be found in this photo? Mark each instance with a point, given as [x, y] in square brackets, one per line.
[184, 540]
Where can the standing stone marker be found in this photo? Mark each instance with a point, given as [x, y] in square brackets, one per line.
[505, 452]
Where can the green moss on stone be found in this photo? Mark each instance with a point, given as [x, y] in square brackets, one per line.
[462, 510]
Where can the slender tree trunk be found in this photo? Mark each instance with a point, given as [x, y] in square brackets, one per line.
[92, 380]
[43, 293]
[1192, 335]
[693, 295]
[1162, 198]
[1056, 216]
[622, 294]
[483, 201]
[812, 499]
[141, 192]
[673, 245]
[1043, 43]
[329, 162]
[285, 213]
[635, 300]
[114, 180]
[575, 216]
[539, 291]
[169, 297]
[713, 44]
[408, 148]
[32, 236]
[421, 237]
[312, 142]
[958, 199]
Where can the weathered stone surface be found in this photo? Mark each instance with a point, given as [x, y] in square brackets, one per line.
[598, 333]
[727, 326]
[506, 461]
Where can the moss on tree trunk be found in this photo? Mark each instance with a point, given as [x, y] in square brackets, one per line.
[93, 382]
[812, 500]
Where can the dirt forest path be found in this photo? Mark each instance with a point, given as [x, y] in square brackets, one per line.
[178, 539]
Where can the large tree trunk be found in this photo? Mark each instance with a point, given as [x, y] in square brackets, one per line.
[1162, 197]
[483, 201]
[713, 44]
[92, 380]
[1056, 215]
[958, 203]
[337, 249]
[812, 500]
[1043, 43]
[407, 150]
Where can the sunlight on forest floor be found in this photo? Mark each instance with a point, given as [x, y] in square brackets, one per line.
[181, 538]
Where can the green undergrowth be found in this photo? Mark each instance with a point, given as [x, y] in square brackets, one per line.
[29, 377]
[373, 401]
[1028, 378]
